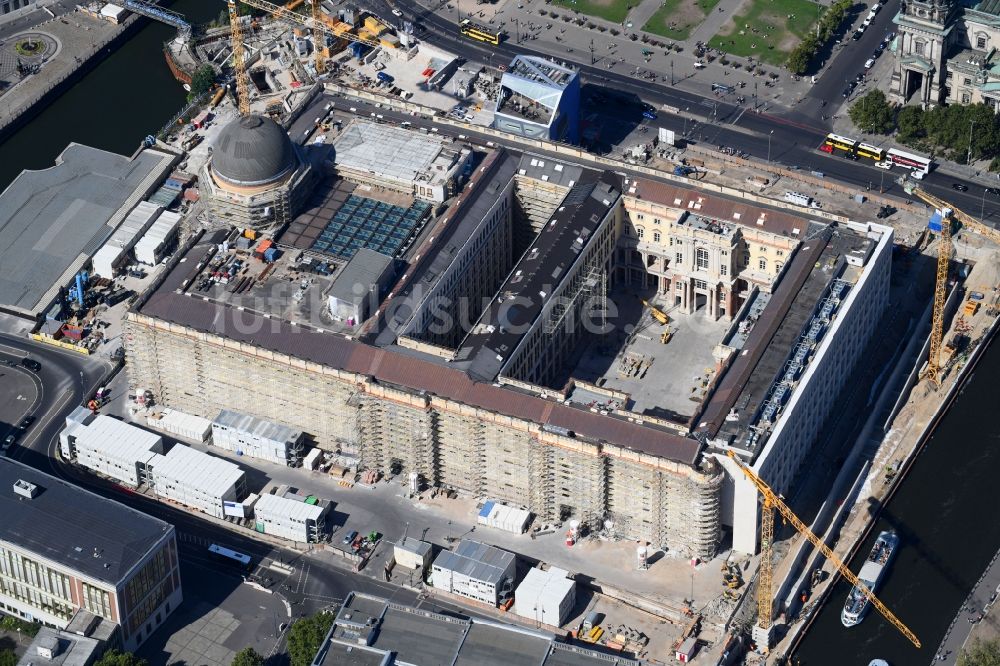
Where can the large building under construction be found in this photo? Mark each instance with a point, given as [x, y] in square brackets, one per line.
[511, 355]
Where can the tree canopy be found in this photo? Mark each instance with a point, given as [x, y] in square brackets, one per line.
[117, 658]
[202, 81]
[248, 657]
[873, 113]
[981, 653]
[8, 658]
[305, 637]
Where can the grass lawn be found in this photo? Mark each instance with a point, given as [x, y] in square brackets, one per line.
[775, 28]
[677, 18]
[609, 10]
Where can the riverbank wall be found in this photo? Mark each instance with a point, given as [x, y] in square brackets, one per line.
[862, 518]
[39, 90]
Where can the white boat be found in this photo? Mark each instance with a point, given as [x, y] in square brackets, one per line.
[871, 574]
[878, 662]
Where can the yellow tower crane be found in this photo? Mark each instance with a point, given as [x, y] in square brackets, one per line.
[765, 603]
[239, 64]
[313, 22]
[947, 212]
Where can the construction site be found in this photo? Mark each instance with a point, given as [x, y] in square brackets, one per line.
[626, 357]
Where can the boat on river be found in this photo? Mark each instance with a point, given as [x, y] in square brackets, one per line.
[872, 572]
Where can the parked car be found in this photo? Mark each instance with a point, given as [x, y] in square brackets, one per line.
[8, 441]
[961, 187]
[858, 33]
[349, 538]
[31, 364]
[869, 63]
[649, 115]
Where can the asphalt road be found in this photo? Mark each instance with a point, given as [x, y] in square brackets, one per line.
[30, 20]
[793, 137]
[850, 57]
[621, 116]
[60, 386]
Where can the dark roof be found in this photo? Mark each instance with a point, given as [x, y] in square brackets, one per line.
[459, 223]
[169, 304]
[67, 525]
[53, 220]
[406, 635]
[365, 270]
[773, 341]
[717, 207]
[539, 274]
[252, 151]
[760, 338]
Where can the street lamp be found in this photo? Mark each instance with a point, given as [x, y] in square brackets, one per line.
[769, 147]
[671, 71]
[972, 124]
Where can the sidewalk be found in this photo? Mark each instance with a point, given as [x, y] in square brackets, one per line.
[658, 60]
[976, 618]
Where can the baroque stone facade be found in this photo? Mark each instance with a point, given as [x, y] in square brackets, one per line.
[449, 444]
[946, 53]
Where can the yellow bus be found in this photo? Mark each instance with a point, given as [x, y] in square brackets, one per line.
[870, 151]
[478, 32]
[840, 142]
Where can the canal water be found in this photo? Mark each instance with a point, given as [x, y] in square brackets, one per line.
[128, 95]
[945, 514]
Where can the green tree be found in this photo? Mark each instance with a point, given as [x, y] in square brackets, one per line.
[306, 636]
[800, 57]
[248, 657]
[981, 653]
[8, 658]
[202, 81]
[873, 113]
[910, 124]
[116, 658]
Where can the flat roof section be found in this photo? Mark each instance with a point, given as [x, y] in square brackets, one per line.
[197, 468]
[747, 385]
[536, 277]
[255, 426]
[488, 643]
[701, 203]
[68, 525]
[52, 221]
[406, 635]
[176, 301]
[454, 229]
[394, 152]
[417, 639]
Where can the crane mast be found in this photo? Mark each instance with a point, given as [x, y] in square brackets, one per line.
[239, 64]
[764, 600]
[947, 211]
[286, 13]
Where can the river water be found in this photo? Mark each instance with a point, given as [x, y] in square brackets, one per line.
[944, 511]
[945, 514]
[127, 96]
